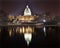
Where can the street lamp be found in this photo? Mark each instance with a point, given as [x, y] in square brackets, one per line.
[44, 28]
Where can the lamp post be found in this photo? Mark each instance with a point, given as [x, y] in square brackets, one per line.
[44, 21]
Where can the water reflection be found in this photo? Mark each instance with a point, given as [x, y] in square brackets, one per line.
[44, 29]
[38, 40]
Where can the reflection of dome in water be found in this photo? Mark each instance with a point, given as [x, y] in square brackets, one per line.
[28, 37]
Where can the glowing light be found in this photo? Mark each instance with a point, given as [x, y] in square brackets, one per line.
[44, 20]
[29, 29]
[44, 30]
[10, 32]
[23, 29]
[26, 18]
[27, 11]
[28, 37]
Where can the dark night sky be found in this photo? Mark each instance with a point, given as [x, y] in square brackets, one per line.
[16, 7]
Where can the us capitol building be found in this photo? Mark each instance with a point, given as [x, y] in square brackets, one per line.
[24, 24]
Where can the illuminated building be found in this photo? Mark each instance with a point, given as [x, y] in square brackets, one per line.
[28, 30]
[26, 23]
